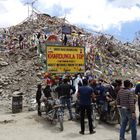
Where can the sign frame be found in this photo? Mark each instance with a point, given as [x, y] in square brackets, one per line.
[66, 29]
[66, 47]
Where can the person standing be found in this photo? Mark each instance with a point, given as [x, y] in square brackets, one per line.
[126, 103]
[21, 41]
[101, 99]
[38, 97]
[64, 93]
[65, 40]
[85, 96]
[77, 80]
[47, 91]
[137, 92]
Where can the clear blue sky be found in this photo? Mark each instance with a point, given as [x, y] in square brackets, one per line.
[127, 32]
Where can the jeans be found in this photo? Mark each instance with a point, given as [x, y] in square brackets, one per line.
[88, 110]
[67, 101]
[103, 110]
[126, 116]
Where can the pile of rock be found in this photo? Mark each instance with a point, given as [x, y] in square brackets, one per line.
[21, 68]
[113, 58]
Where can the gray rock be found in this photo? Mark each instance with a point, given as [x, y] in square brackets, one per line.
[16, 93]
[1, 90]
[3, 63]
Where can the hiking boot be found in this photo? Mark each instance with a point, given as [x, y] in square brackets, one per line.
[92, 132]
[70, 119]
[39, 114]
[81, 132]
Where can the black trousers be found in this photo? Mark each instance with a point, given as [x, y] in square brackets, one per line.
[39, 112]
[86, 109]
[139, 107]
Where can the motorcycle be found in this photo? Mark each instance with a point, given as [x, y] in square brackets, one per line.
[54, 111]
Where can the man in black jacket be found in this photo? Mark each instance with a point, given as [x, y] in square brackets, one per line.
[64, 91]
[47, 91]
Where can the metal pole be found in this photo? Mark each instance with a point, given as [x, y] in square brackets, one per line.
[28, 11]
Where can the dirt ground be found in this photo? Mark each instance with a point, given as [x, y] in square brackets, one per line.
[29, 126]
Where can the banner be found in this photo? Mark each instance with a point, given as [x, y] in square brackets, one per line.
[61, 59]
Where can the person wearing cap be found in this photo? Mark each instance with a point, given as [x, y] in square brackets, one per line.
[126, 104]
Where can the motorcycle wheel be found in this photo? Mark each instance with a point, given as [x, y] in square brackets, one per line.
[95, 119]
[60, 119]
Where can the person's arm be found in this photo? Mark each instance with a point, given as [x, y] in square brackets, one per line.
[58, 91]
[132, 102]
[42, 98]
[58, 88]
[93, 96]
[96, 92]
[36, 96]
[137, 89]
[73, 89]
[118, 100]
[78, 95]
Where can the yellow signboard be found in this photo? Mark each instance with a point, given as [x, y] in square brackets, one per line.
[61, 59]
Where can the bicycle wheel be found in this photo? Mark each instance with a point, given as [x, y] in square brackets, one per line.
[60, 119]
